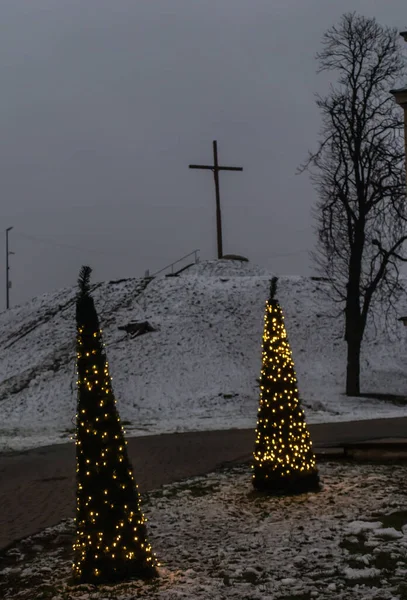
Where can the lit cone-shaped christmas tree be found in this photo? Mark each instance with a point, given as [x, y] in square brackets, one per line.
[111, 540]
[284, 462]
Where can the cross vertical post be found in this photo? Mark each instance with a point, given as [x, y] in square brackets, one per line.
[218, 212]
[215, 168]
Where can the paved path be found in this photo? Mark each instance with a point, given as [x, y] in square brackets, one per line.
[37, 488]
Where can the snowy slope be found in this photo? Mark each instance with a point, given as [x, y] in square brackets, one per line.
[199, 369]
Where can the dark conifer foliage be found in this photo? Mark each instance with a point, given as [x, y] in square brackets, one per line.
[284, 462]
[111, 540]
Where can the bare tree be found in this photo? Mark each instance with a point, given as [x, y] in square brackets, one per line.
[358, 172]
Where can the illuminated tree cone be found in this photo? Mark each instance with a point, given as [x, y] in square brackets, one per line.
[111, 541]
[284, 462]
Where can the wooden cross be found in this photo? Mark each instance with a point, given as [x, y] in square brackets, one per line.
[215, 168]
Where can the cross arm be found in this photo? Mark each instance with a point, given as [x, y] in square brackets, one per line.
[201, 167]
[212, 168]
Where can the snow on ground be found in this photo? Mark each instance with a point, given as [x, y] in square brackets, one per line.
[216, 538]
[199, 369]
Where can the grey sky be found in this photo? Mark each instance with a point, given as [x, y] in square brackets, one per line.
[105, 103]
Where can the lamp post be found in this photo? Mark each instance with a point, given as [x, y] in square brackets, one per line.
[8, 282]
[400, 96]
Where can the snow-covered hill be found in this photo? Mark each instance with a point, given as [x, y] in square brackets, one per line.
[199, 369]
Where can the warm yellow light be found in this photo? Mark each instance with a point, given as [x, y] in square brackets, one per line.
[292, 448]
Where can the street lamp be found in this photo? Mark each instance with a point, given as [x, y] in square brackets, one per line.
[400, 96]
[8, 282]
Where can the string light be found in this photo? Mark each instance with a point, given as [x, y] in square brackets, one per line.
[284, 461]
[107, 496]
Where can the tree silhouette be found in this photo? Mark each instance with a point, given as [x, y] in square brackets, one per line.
[359, 173]
[283, 458]
[111, 539]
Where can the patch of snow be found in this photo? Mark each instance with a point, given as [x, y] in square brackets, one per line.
[288, 581]
[388, 533]
[368, 573]
[357, 527]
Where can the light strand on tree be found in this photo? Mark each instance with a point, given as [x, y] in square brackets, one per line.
[111, 538]
[283, 458]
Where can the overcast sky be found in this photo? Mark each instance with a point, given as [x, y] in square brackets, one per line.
[104, 104]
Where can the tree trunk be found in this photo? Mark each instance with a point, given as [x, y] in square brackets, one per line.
[354, 320]
[353, 366]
